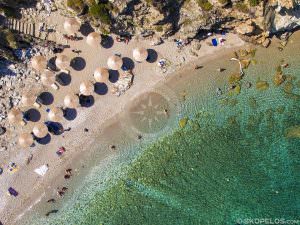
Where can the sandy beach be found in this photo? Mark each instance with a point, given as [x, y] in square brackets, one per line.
[97, 118]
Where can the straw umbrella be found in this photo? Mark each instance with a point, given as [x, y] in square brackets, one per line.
[86, 88]
[93, 39]
[40, 130]
[101, 74]
[71, 25]
[55, 114]
[114, 62]
[62, 62]
[140, 54]
[15, 116]
[39, 63]
[25, 140]
[28, 99]
[71, 101]
[48, 79]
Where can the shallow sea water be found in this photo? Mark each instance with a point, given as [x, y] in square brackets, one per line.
[231, 162]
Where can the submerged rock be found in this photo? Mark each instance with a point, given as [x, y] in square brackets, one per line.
[279, 78]
[183, 122]
[293, 132]
[262, 85]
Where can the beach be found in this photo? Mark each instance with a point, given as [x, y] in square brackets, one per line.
[104, 112]
[233, 154]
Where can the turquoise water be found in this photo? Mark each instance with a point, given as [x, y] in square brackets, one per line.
[234, 160]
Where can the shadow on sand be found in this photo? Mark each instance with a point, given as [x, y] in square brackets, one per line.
[32, 115]
[107, 42]
[70, 114]
[63, 79]
[101, 88]
[113, 76]
[152, 56]
[78, 63]
[86, 101]
[46, 98]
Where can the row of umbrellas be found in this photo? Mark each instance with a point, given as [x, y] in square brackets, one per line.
[48, 78]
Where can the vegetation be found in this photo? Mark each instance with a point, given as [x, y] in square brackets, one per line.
[242, 7]
[253, 2]
[205, 5]
[100, 11]
[76, 5]
[159, 28]
[223, 2]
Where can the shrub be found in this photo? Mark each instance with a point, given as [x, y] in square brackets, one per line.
[223, 2]
[253, 2]
[11, 40]
[205, 5]
[76, 5]
[242, 7]
[159, 28]
[100, 12]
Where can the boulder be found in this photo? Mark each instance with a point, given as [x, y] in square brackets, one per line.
[245, 29]
[2, 130]
[266, 42]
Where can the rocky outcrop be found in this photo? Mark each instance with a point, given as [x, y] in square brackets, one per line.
[282, 15]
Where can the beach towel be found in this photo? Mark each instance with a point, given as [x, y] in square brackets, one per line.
[214, 42]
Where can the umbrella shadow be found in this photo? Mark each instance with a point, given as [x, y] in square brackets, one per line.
[113, 76]
[101, 88]
[86, 29]
[51, 64]
[107, 41]
[32, 115]
[128, 63]
[78, 63]
[70, 114]
[63, 79]
[86, 101]
[55, 128]
[152, 56]
[44, 141]
[45, 98]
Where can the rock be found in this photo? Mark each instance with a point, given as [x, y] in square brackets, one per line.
[283, 43]
[156, 41]
[262, 85]
[248, 84]
[266, 42]
[196, 45]
[279, 78]
[3, 148]
[245, 29]
[2, 130]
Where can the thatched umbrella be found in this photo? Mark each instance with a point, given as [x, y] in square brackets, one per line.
[39, 62]
[71, 101]
[86, 88]
[28, 99]
[140, 54]
[71, 25]
[114, 62]
[25, 140]
[55, 114]
[93, 39]
[48, 78]
[62, 62]
[40, 130]
[101, 74]
[15, 116]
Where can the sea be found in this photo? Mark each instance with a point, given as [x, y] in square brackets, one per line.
[188, 154]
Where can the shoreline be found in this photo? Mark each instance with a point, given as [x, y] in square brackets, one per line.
[109, 121]
[175, 76]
